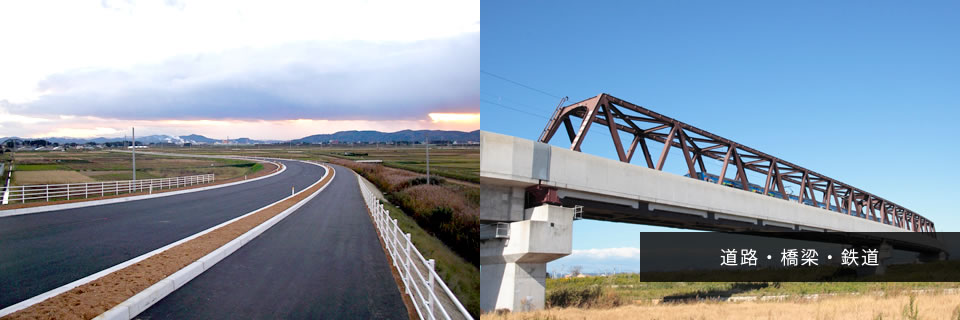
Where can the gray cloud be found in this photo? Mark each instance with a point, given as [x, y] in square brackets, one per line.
[342, 81]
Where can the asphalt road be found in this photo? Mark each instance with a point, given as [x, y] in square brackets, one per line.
[42, 251]
[324, 261]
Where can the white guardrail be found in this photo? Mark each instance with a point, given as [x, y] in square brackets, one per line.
[405, 255]
[46, 192]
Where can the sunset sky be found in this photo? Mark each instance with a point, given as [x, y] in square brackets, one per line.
[265, 70]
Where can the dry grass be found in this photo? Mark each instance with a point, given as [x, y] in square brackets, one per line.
[268, 168]
[398, 178]
[219, 172]
[431, 196]
[938, 306]
[444, 213]
[49, 177]
[108, 166]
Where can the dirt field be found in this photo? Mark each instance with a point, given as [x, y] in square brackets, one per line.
[49, 177]
[932, 306]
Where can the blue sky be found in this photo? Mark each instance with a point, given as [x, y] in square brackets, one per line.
[864, 92]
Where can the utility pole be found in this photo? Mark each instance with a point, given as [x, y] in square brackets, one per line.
[427, 143]
[13, 154]
[134, 148]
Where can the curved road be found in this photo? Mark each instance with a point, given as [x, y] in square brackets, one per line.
[324, 261]
[42, 251]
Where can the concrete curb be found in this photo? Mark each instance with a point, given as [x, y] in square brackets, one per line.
[142, 301]
[16, 212]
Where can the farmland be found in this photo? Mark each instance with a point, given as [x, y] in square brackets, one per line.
[458, 163]
[90, 166]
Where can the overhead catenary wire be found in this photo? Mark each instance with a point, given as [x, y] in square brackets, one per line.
[604, 133]
[514, 109]
[519, 84]
[499, 103]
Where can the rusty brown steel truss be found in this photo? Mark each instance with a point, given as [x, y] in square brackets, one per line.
[642, 125]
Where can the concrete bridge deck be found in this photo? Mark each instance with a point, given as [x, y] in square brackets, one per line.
[621, 192]
[513, 267]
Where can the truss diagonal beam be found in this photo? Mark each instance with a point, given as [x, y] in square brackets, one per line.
[644, 124]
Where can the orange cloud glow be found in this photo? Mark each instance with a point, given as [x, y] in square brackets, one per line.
[90, 127]
[464, 118]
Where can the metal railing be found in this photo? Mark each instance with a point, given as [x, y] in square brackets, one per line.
[48, 192]
[5, 180]
[408, 261]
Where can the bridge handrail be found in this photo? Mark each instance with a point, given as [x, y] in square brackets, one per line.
[403, 252]
[85, 190]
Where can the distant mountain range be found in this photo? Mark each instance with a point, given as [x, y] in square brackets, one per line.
[405, 135]
[160, 138]
[341, 137]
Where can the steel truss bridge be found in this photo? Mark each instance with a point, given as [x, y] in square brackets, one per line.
[696, 144]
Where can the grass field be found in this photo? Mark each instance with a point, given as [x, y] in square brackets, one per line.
[88, 166]
[40, 167]
[624, 296]
[628, 288]
[50, 177]
[872, 307]
[460, 163]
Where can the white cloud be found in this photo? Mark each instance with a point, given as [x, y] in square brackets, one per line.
[83, 67]
[91, 127]
[7, 117]
[82, 132]
[39, 41]
[344, 80]
[606, 253]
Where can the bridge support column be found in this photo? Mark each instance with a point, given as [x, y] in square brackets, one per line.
[932, 257]
[513, 269]
[884, 253]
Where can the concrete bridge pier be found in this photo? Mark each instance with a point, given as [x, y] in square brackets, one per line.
[884, 254]
[513, 265]
[932, 256]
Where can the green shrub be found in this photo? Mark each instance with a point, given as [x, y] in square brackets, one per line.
[589, 297]
[255, 168]
[910, 310]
